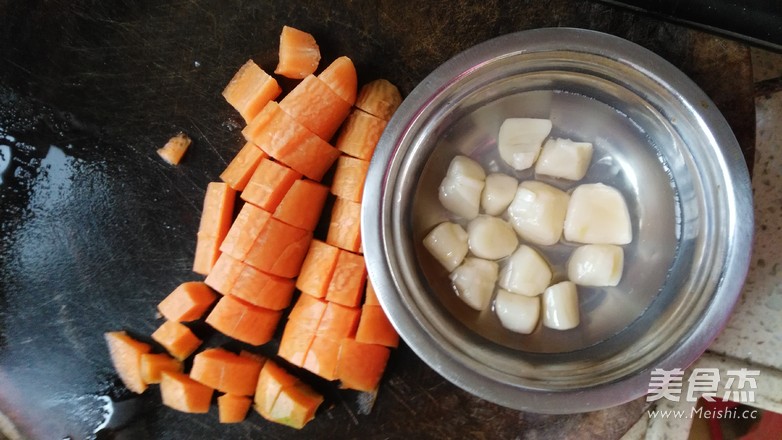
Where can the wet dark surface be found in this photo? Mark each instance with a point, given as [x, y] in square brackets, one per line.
[95, 229]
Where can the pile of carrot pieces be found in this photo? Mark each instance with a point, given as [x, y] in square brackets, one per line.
[257, 262]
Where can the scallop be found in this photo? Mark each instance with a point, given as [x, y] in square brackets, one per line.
[597, 265]
[538, 211]
[474, 281]
[560, 306]
[526, 272]
[598, 214]
[520, 139]
[564, 158]
[498, 192]
[461, 188]
[447, 242]
[491, 238]
[517, 313]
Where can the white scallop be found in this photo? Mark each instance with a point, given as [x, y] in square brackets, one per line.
[564, 158]
[474, 281]
[491, 237]
[560, 306]
[596, 265]
[461, 188]
[538, 211]
[447, 242]
[498, 193]
[525, 272]
[520, 139]
[597, 214]
[517, 313]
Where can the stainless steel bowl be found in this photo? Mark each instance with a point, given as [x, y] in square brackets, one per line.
[657, 137]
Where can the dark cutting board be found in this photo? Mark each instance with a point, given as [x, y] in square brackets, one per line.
[95, 229]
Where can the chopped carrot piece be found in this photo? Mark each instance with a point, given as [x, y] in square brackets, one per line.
[242, 321]
[317, 269]
[250, 89]
[313, 158]
[379, 98]
[248, 225]
[180, 392]
[125, 355]
[360, 134]
[227, 372]
[187, 302]
[349, 176]
[232, 408]
[302, 205]
[262, 289]
[174, 149]
[375, 328]
[215, 221]
[224, 274]
[314, 105]
[347, 283]
[299, 54]
[338, 322]
[300, 329]
[279, 249]
[154, 364]
[371, 295]
[360, 366]
[242, 166]
[269, 184]
[341, 77]
[345, 225]
[295, 406]
[177, 339]
[272, 380]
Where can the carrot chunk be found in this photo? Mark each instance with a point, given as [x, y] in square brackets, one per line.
[174, 149]
[316, 106]
[379, 98]
[295, 406]
[338, 322]
[272, 380]
[300, 329]
[341, 77]
[232, 408]
[299, 54]
[349, 176]
[250, 89]
[224, 274]
[180, 392]
[187, 302]
[345, 225]
[177, 339]
[243, 321]
[313, 158]
[360, 134]
[125, 353]
[248, 225]
[227, 372]
[242, 166]
[154, 364]
[360, 366]
[375, 328]
[262, 289]
[269, 184]
[347, 283]
[215, 222]
[279, 249]
[302, 205]
[317, 269]
[371, 295]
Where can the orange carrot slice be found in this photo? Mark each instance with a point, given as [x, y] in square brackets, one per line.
[232, 408]
[174, 149]
[250, 89]
[299, 54]
[224, 274]
[360, 134]
[187, 302]
[302, 205]
[248, 225]
[349, 176]
[227, 372]
[177, 339]
[360, 366]
[338, 322]
[279, 249]
[180, 392]
[263, 289]
[295, 406]
[341, 77]
[379, 98]
[313, 158]
[272, 380]
[345, 225]
[317, 269]
[371, 295]
[375, 328]
[269, 184]
[125, 353]
[243, 321]
[300, 329]
[316, 106]
[154, 364]
[242, 166]
[347, 283]
[215, 221]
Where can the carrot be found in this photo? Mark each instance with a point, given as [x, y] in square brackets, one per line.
[338, 322]
[300, 329]
[379, 98]
[316, 106]
[233, 408]
[125, 353]
[187, 302]
[347, 283]
[312, 158]
[272, 380]
[371, 296]
[174, 149]
[341, 77]
[317, 269]
[279, 249]
[242, 166]
[242, 321]
[375, 328]
[295, 406]
[154, 364]
[215, 220]
[299, 54]
[269, 184]
[177, 339]
[227, 372]
[262, 289]
[345, 225]
[224, 274]
[359, 134]
[360, 366]
[349, 176]
[302, 205]
[250, 89]
[248, 225]
[180, 392]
